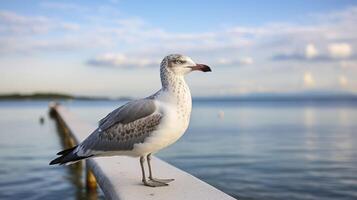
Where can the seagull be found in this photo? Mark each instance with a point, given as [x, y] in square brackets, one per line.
[142, 127]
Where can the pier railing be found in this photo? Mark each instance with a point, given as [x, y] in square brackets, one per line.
[120, 177]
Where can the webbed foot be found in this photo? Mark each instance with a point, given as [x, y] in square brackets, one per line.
[152, 183]
[162, 180]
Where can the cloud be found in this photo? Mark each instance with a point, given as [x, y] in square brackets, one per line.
[29, 34]
[70, 26]
[343, 81]
[340, 50]
[246, 61]
[310, 51]
[132, 23]
[309, 80]
[334, 51]
[236, 61]
[122, 61]
[27, 26]
[348, 64]
[329, 37]
[62, 6]
[321, 40]
[12, 23]
[115, 40]
[287, 57]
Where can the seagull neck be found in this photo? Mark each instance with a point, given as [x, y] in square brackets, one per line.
[176, 91]
[171, 82]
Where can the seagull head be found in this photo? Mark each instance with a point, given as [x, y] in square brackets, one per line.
[182, 65]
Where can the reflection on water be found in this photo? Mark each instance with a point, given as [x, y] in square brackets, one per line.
[26, 147]
[258, 150]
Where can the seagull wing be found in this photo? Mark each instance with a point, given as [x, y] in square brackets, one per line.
[127, 113]
[122, 128]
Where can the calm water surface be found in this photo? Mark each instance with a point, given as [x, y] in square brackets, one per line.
[251, 150]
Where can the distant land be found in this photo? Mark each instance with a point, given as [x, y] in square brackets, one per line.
[303, 96]
[53, 96]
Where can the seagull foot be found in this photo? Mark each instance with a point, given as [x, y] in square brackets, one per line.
[152, 183]
[162, 180]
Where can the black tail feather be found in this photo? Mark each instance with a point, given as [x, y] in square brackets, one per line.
[66, 151]
[67, 156]
[58, 160]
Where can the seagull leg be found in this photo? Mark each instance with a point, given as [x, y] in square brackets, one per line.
[150, 173]
[148, 183]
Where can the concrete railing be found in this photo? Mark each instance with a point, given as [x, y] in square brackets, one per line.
[120, 177]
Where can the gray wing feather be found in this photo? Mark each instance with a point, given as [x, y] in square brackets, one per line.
[124, 127]
[128, 113]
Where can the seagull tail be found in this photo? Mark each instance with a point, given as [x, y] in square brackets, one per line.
[67, 157]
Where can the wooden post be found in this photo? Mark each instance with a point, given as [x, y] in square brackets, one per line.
[69, 140]
[91, 182]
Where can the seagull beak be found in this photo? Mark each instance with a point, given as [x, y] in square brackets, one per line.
[201, 67]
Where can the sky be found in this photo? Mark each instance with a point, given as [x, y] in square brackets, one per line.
[113, 48]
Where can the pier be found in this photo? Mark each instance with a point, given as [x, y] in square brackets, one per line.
[119, 177]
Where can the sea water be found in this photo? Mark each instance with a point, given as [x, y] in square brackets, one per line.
[248, 149]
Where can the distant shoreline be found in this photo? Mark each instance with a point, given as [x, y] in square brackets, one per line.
[55, 96]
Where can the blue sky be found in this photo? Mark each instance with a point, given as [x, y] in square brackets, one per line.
[112, 48]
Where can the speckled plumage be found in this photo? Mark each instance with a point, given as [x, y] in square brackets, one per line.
[126, 135]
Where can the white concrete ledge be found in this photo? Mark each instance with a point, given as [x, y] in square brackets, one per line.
[120, 177]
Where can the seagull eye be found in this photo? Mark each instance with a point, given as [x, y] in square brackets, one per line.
[179, 62]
